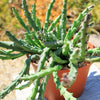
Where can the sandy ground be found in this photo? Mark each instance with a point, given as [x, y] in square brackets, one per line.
[10, 68]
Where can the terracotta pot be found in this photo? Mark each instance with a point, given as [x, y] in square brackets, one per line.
[51, 93]
[77, 88]
[90, 46]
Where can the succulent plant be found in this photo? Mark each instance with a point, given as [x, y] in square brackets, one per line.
[52, 47]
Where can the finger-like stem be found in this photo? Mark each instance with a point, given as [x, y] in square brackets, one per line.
[84, 37]
[76, 38]
[93, 59]
[40, 66]
[57, 59]
[58, 31]
[33, 11]
[73, 66]
[11, 45]
[53, 44]
[42, 73]
[28, 16]
[45, 80]
[51, 35]
[48, 15]
[63, 20]
[65, 48]
[20, 20]
[54, 23]
[36, 39]
[35, 57]
[94, 51]
[77, 22]
[21, 44]
[74, 27]
[15, 82]
[29, 40]
[63, 91]
[24, 85]
[10, 56]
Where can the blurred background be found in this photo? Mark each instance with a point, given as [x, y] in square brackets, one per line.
[8, 22]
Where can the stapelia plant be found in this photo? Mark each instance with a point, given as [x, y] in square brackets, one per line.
[51, 47]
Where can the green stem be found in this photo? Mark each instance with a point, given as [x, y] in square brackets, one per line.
[93, 59]
[94, 51]
[20, 20]
[24, 85]
[77, 22]
[41, 73]
[48, 15]
[29, 40]
[63, 91]
[35, 57]
[45, 80]
[37, 40]
[21, 45]
[11, 56]
[28, 16]
[36, 20]
[15, 82]
[38, 23]
[40, 66]
[76, 38]
[11, 45]
[63, 20]
[84, 37]
[74, 27]
[54, 23]
[33, 11]
[57, 59]
[65, 48]
[58, 31]
[53, 44]
[73, 64]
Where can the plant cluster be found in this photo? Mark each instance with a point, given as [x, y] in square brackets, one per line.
[79, 5]
[51, 47]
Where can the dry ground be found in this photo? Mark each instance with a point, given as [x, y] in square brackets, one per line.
[8, 69]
